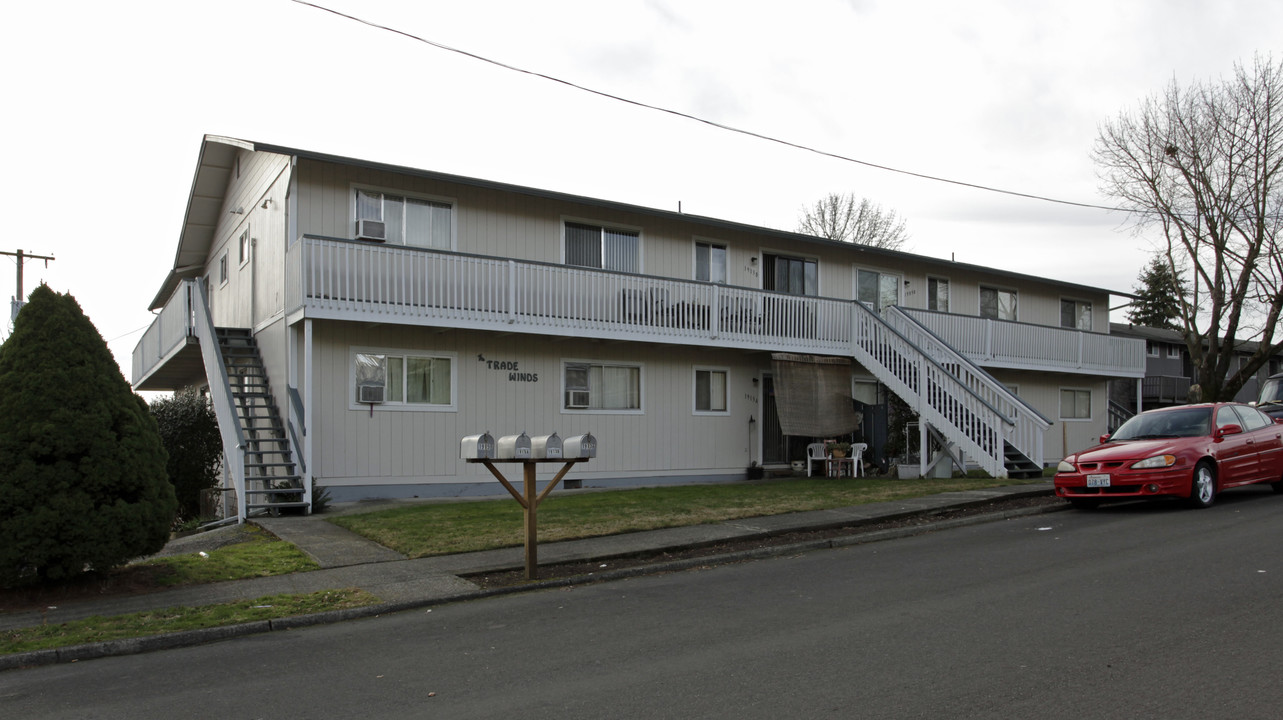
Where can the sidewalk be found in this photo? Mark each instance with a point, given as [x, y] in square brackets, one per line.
[348, 560]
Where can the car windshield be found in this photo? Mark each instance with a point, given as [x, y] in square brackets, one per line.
[1186, 422]
[1272, 391]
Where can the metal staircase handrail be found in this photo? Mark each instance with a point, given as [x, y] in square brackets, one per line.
[220, 391]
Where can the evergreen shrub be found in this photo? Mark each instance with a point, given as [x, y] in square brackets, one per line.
[82, 468]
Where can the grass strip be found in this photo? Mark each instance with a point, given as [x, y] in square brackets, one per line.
[174, 619]
[443, 528]
[261, 555]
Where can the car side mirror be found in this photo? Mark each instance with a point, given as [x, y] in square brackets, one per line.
[1230, 429]
[1104, 438]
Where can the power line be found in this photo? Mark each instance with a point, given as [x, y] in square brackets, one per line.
[711, 123]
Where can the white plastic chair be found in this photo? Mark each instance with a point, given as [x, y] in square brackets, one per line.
[857, 457]
[815, 451]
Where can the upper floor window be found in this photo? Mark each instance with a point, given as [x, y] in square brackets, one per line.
[878, 290]
[1174, 352]
[997, 304]
[1075, 314]
[710, 390]
[938, 294]
[1151, 348]
[222, 270]
[710, 262]
[602, 386]
[792, 275]
[602, 247]
[407, 220]
[243, 246]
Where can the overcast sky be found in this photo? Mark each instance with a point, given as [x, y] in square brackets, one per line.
[107, 102]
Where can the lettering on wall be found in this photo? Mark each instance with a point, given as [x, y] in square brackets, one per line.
[511, 367]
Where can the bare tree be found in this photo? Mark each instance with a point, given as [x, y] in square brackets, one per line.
[846, 219]
[1201, 165]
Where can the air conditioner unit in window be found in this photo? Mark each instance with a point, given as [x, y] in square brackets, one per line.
[375, 230]
[369, 393]
[577, 399]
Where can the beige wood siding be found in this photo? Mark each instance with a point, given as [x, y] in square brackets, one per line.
[355, 446]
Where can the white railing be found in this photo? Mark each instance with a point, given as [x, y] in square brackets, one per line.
[345, 279]
[1000, 343]
[1028, 425]
[940, 398]
[168, 332]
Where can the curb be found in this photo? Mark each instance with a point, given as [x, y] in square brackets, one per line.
[188, 638]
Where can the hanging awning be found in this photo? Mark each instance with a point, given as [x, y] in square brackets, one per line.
[813, 395]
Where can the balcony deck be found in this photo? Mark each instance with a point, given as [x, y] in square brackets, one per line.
[360, 281]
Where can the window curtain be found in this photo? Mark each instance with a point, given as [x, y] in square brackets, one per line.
[583, 245]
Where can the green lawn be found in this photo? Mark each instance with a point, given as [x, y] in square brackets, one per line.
[156, 622]
[428, 529]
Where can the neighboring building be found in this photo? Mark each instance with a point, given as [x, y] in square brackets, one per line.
[1169, 374]
[361, 318]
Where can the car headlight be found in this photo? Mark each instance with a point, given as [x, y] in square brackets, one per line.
[1158, 461]
[1066, 466]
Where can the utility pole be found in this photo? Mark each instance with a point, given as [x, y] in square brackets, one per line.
[18, 301]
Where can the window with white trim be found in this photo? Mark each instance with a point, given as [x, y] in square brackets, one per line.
[877, 289]
[243, 247]
[1174, 352]
[938, 294]
[222, 269]
[406, 380]
[710, 262]
[601, 386]
[1075, 314]
[997, 304]
[407, 220]
[1151, 348]
[792, 275]
[1075, 404]
[710, 390]
[595, 246]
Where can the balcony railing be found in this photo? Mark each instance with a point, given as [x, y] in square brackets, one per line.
[357, 280]
[999, 343]
[168, 333]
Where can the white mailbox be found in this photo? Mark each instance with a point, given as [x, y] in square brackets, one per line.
[513, 447]
[579, 446]
[477, 447]
[545, 447]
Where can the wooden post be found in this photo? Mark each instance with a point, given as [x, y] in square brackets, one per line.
[532, 522]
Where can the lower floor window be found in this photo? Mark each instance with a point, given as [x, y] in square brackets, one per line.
[710, 391]
[404, 379]
[1075, 404]
[593, 386]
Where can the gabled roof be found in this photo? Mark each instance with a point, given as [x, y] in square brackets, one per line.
[218, 155]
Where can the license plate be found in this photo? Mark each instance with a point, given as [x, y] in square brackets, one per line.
[1098, 481]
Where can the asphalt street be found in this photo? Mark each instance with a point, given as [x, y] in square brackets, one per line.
[1136, 611]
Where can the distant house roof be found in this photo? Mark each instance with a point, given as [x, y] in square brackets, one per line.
[218, 154]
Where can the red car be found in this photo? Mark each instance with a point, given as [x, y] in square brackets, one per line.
[1189, 451]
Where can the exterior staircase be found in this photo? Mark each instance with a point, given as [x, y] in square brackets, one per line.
[957, 399]
[271, 479]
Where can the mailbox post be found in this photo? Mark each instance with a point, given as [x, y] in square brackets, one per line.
[530, 452]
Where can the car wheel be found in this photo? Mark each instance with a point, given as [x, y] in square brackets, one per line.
[1202, 491]
[1084, 503]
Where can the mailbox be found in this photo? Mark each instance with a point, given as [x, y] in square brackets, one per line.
[513, 447]
[579, 446]
[477, 447]
[545, 447]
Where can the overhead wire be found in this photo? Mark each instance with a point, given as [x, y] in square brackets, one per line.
[705, 121]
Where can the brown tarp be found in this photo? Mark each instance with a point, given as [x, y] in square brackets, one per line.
[813, 395]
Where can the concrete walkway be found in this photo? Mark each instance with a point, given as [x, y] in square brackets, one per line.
[348, 560]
